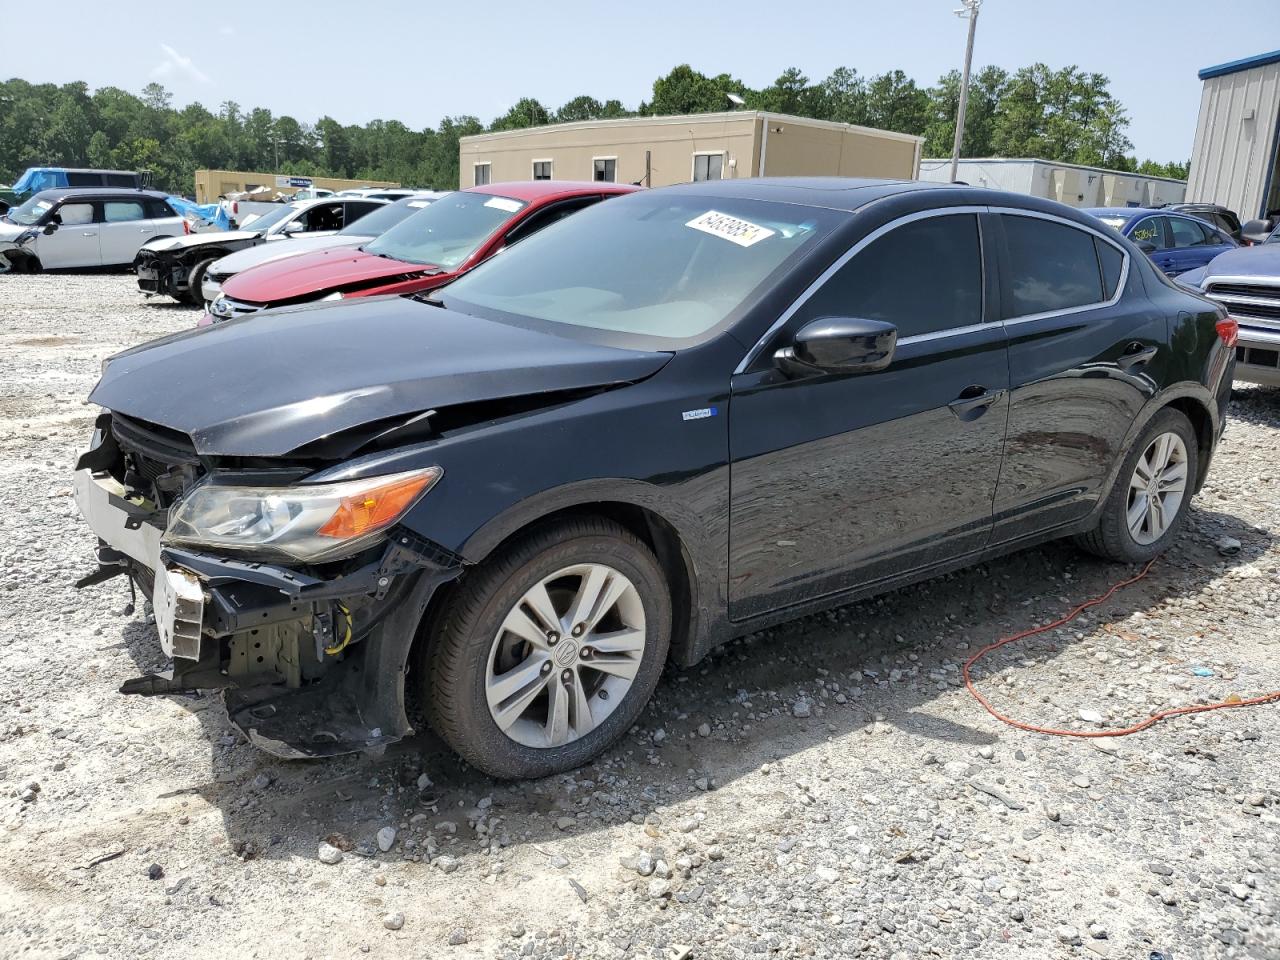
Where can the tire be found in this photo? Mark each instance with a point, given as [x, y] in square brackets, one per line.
[1113, 538]
[472, 650]
[195, 278]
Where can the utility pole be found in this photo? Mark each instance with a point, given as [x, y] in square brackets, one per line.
[968, 10]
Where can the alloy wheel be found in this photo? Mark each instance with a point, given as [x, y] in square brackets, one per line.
[565, 655]
[1156, 489]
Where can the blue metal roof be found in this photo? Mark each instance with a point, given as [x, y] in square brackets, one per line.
[1235, 66]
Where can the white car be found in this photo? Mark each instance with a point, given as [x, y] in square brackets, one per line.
[83, 227]
[176, 267]
[366, 228]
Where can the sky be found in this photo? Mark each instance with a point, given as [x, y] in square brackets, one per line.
[419, 62]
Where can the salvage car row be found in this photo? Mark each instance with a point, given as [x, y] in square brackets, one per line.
[603, 428]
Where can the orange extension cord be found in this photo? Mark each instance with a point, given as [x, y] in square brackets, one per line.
[1272, 697]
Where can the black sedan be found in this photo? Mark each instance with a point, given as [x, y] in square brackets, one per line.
[669, 420]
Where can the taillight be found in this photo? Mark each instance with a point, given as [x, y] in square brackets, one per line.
[186, 227]
[235, 206]
[1228, 330]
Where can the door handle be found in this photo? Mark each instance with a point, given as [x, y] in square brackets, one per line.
[974, 401]
[1135, 355]
[89, 233]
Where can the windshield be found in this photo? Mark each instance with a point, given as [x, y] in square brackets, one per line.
[268, 220]
[662, 265]
[29, 212]
[383, 219]
[448, 231]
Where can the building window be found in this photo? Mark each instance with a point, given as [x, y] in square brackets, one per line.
[708, 166]
[542, 169]
[482, 174]
[605, 169]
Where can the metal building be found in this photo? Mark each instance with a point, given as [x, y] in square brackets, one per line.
[656, 151]
[1069, 183]
[1237, 148]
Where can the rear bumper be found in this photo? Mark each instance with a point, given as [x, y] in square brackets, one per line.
[1258, 356]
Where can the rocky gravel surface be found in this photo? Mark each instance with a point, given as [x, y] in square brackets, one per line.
[824, 789]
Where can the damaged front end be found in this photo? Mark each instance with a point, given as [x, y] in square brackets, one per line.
[164, 272]
[308, 640]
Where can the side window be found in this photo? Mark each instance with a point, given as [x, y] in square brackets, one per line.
[357, 210]
[708, 166]
[326, 216]
[482, 171]
[923, 277]
[1112, 262]
[122, 211]
[120, 179]
[1188, 233]
[158, 210]
[1150, 230]
[1051, 267]
[75, 214]
[79, 178]
[604, 169]
[547, 216]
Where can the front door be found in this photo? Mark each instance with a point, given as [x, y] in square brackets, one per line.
[1086, 348]
[1193, 244]
[75, 243]
[125, 227]
[840, 481]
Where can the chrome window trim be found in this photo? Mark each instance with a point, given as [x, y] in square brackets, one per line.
[1083, 228]
[949, 332]
[852, 252]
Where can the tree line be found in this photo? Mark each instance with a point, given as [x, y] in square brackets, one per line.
[1066, 115]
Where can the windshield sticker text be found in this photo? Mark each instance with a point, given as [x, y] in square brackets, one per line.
[742, 232]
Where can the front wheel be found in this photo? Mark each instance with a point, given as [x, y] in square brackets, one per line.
[548, 653]
[1147, 506]
[195, 279]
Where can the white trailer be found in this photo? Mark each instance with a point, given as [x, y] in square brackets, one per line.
[1069, 183]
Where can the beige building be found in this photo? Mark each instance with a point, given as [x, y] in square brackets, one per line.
[656, 151]
[212, 184]
[1071, 183]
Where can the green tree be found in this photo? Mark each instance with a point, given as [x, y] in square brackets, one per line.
[685, 90]
[894, 102]
[527, 112]
[580, 108]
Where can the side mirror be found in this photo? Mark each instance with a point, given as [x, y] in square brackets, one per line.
[293, 226]
[1257, 231]
[49, 228]
[1147, 247]
[839, 345]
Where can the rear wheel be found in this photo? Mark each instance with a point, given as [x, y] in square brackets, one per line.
[1147, 506]
[548, 653]
[194, 280]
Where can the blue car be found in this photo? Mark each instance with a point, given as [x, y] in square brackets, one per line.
[1176, 243]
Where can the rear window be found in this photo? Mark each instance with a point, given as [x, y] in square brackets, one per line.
[1112, 262]
[1051, 267]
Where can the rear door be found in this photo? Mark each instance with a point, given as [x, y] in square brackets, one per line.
[76, 242]
[1086, 348]
[125, 228]
[842, 480]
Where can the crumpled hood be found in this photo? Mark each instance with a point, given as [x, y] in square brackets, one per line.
[317, 273]
[11, 231]
[211, 237]
[1259, 261]
[267, 384]
[241, 260]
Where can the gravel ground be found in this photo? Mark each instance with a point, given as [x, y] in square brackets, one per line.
[823, 789]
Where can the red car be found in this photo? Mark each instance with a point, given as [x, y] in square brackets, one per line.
[422, 252]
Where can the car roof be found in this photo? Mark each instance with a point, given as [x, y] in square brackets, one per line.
[534, 190]
[1127, 213]
[62, 193]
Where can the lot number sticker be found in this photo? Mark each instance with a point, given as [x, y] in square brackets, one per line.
[742, 232]
[503, 203]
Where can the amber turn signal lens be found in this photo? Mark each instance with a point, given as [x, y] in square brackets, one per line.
[378, 507]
